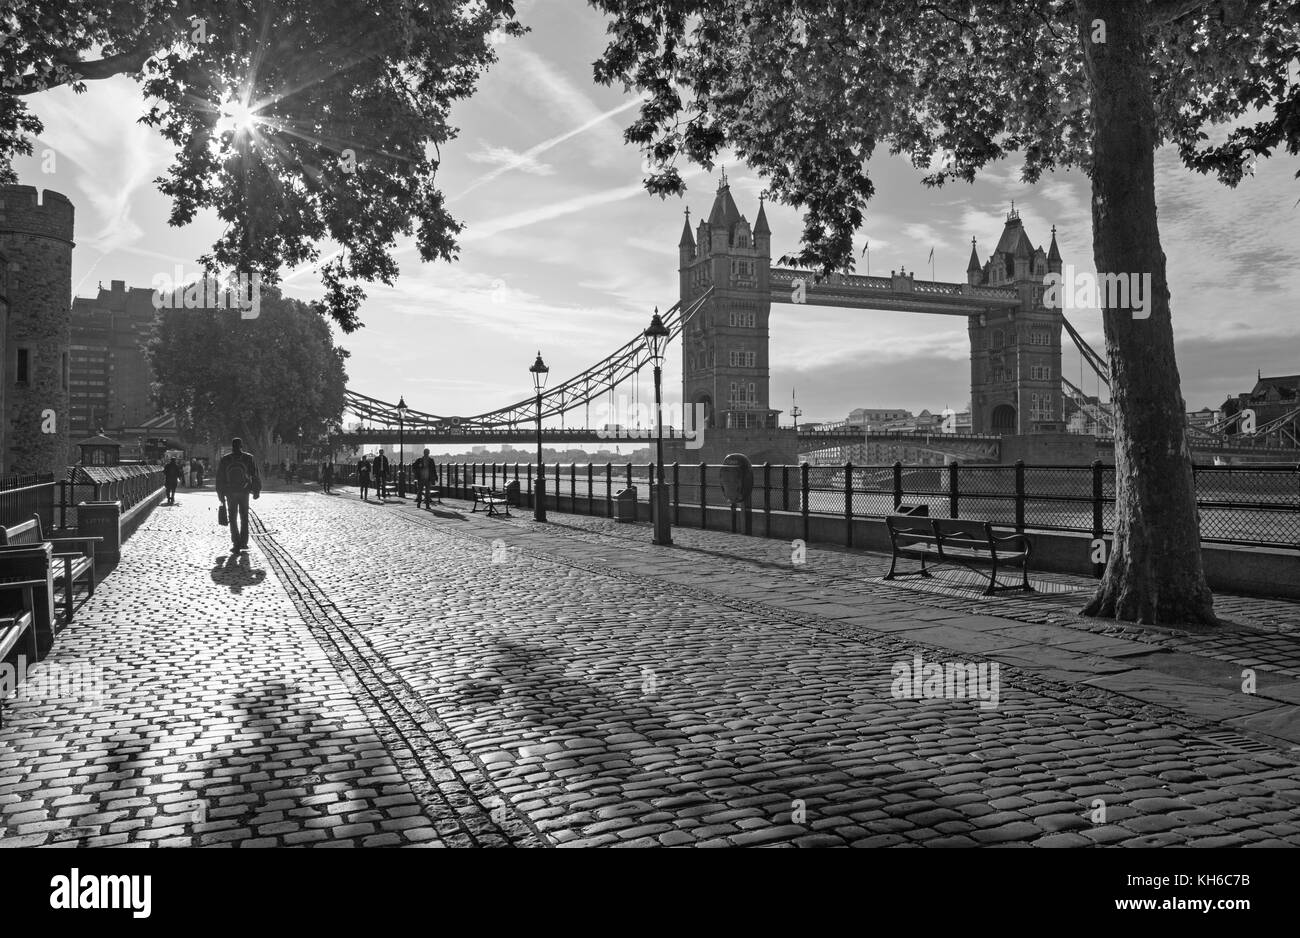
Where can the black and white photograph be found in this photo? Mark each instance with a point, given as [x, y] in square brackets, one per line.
[650, 424]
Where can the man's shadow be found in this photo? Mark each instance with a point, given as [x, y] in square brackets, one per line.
[234, 571]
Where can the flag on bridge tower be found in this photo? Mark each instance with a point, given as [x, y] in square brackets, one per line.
[932, 263]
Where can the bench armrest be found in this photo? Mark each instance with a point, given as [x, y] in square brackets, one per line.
[75, 540]
[1000, 538]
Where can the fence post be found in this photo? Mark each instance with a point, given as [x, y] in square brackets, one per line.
[609, 490]
[704, 488]
[952, 489]
[1098, 491]
[785, 488]
[573, 487]
[898, 485]
[591, 490]
[629, 473]
[803, 485]
[767, 498]
[494, 476]
[848, 504]
[677, 492]
[1020, 496]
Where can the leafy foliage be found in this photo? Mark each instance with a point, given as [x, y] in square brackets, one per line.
[256, 378]
[806, 92]
[339, 108]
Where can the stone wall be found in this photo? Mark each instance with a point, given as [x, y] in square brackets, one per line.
[36, 238]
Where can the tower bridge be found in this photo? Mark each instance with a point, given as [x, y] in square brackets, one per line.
[727, 287]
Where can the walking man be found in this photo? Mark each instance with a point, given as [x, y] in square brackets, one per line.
[327, 474]
[426, 476]
[363, 477]
[380, 470]
[237, 478]
[172, 473]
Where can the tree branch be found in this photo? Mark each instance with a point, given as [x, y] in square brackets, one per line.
[123, 63]
[110, 65]
[1160, 12]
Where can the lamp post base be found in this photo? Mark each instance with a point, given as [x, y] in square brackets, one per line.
[663, 531]
[539, 500]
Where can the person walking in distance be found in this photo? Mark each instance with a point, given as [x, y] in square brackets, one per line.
[172, 473]
[237, 478]
[425, 475]
[363, 477]
[380, 470]
[327, 475]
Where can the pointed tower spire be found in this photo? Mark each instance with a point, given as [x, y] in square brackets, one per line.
[688, 240]
[760, 223]
[974, 258]
[1054, 255]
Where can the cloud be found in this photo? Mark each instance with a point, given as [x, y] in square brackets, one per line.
[528, 158]
[117, 156]
[507, 159]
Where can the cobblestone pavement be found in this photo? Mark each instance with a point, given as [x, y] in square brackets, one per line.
[378, 675]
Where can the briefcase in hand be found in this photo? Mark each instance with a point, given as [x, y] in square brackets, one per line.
[222, 518]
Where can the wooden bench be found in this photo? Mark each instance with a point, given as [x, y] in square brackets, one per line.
[967, 543]
[19, 625]
[490, 497]
[77, 555]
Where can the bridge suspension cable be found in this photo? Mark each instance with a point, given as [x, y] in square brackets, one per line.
[577, 391]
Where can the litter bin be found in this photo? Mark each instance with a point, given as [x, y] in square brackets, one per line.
[512, 493]
[625, 504]
[102, 519]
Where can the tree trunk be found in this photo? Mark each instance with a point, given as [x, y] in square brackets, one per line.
[1154, 574]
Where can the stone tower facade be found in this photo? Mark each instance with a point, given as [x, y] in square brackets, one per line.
[36, 247]
[1015, 355]
[725, 364]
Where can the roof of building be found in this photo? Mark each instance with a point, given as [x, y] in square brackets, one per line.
[1014, 240]
[760, 223]
[97, 440]
[724, 213]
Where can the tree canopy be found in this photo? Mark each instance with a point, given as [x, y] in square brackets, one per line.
[224, 375]
[296, 121]
[806, 91]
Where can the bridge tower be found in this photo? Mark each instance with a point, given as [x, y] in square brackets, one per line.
[725, 345]
[1016, 353]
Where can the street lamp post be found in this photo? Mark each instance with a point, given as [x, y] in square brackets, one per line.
[539, 372]
[401, 446]
[657, 336]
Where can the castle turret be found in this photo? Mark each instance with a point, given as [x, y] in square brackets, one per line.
[1054, 255]
[974, 273]
[35, 318]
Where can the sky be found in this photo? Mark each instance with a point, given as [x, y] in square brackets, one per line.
[564, 252]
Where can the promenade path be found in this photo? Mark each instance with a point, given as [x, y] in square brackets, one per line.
[376, 675]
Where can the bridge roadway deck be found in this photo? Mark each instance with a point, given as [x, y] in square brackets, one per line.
[373, 674]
